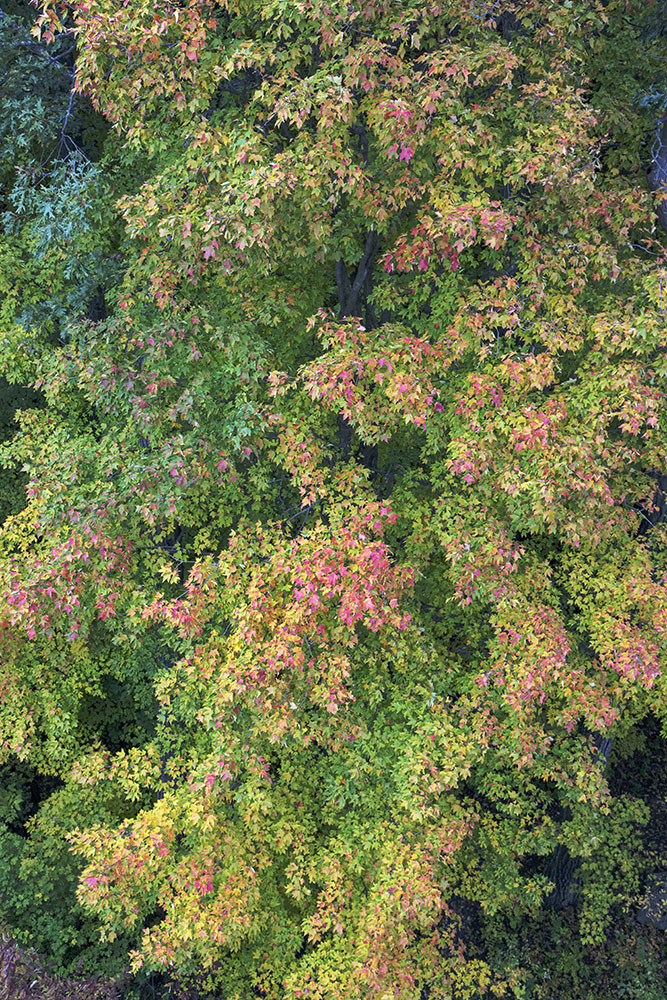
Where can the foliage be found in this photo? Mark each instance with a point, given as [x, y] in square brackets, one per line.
[550, 962]
[12, 486]
[38, 876]
[342, 552]
[24, 977]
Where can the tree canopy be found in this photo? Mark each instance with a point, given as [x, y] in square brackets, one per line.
[342, 557]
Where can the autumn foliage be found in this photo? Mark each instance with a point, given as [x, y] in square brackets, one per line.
[347, 511]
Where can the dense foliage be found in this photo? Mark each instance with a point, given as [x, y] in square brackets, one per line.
[334, 620]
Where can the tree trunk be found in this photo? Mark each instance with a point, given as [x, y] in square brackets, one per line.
[657, 178]
[560, 869]
[352, 301]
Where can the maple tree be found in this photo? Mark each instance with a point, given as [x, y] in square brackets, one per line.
[345, 508]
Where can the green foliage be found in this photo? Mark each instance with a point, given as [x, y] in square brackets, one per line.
[25, 976]
[12, 484]
[38, 875]
[341, 554]
[548, 960]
